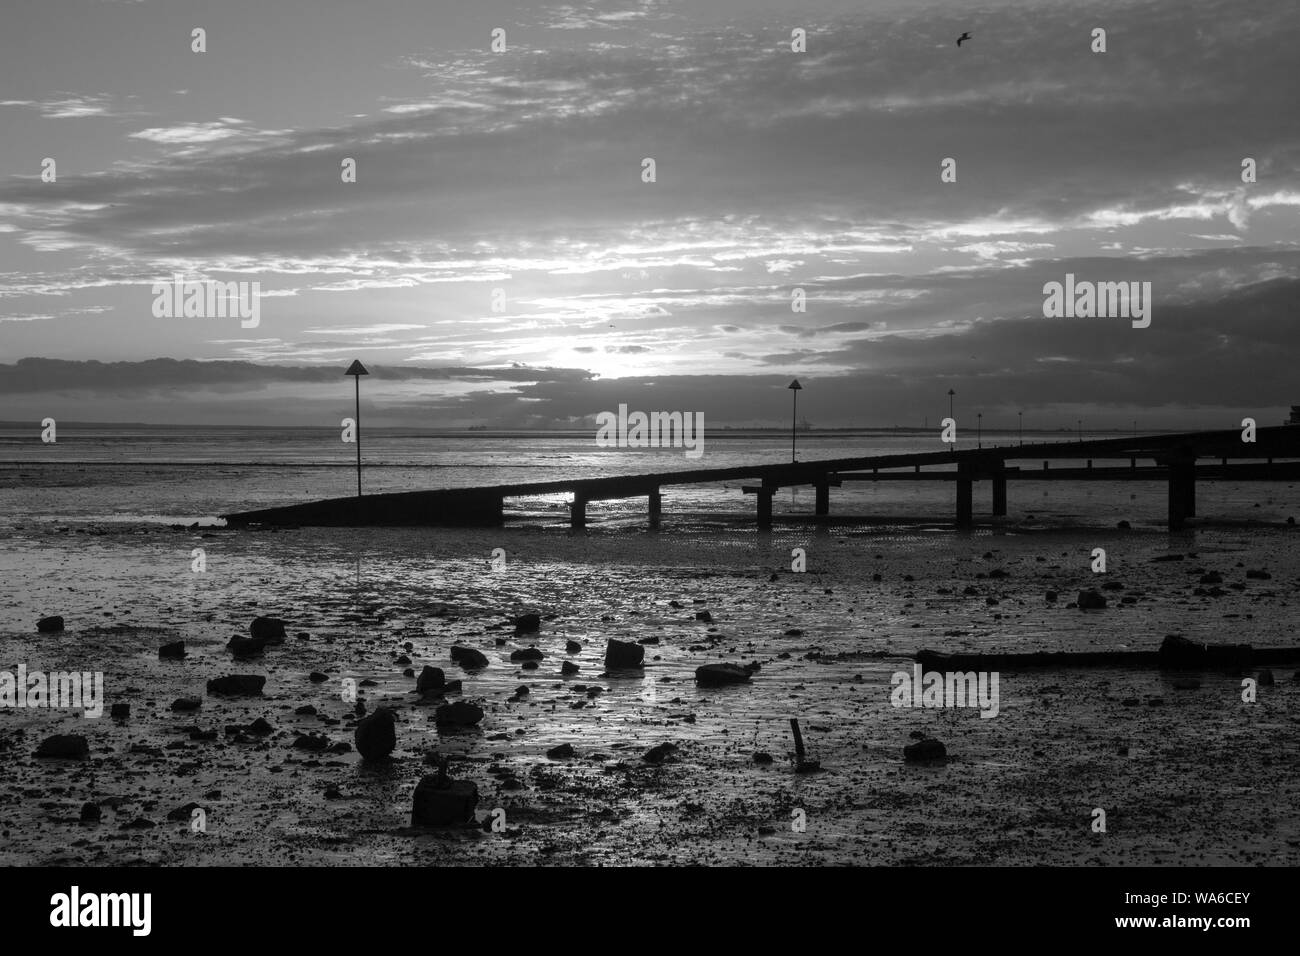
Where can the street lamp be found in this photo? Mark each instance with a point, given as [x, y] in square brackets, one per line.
[979, 429]
[1080, 424]
[356, 370]
[794, 387]
[1021, 416]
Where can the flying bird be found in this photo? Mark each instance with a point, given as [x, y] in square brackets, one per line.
[964, 36]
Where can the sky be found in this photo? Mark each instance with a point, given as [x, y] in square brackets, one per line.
[519, 173]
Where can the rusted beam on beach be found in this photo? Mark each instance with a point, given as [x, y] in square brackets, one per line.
[1213, 656]
[578, 512]
[656, 508]
[999, 493]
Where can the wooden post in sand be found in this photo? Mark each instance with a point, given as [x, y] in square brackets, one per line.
[801, 763]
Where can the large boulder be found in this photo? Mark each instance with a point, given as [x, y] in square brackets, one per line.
[720, 675]
[527, 654]
[237, 684]
[442, 802]
[468, 657]
[64, 745]
[623, 654]
[268, 629]
[376, 735]
[50, 625]
[174, 651]
[431, 680]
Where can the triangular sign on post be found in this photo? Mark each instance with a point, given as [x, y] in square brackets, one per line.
[356, 368]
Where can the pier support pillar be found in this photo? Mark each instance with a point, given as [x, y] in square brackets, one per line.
[578, 512]
[656, 508]
[823, 498]
[999, 493]
[1182, 491]
[765, 507]
[965, 496]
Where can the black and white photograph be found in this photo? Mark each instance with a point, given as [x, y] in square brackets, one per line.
[624, 435]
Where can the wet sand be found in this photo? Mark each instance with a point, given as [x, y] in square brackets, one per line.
[1185, 776]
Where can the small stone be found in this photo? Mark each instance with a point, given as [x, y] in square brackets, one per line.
[1091, 600]
[174, 651]
[50, 625]
[562, 752]
[237, 684]
[528, 623]
[431, 679]
[459, 713]
[925, 751]
[660, 753]
[268, 629]
[182, 704]
[64, 745]
[246, 646]
[185, 813]
[623, 654]
[468, 657]
[720, 675]
[442, 802]
[376, 735]
[90, 813]
[120, 711]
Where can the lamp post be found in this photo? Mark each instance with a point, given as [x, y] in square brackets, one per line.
[356, 370]
[1021, 416]
[979, 430]
[794, 387]
[1080, 424]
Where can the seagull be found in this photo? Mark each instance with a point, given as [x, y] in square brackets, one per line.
[964, 36]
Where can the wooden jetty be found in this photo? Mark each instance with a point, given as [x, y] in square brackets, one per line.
[1180, 460]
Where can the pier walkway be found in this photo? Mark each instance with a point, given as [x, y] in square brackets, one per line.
[1181, 460]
